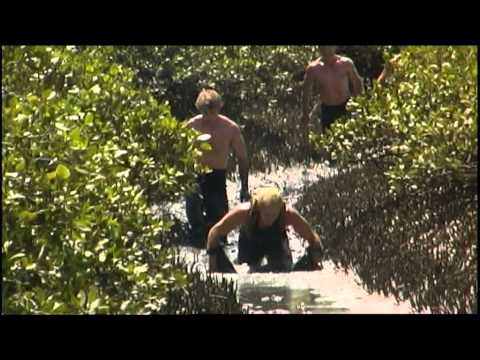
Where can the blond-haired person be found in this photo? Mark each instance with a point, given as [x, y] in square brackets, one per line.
[209, 203]
[264, 221]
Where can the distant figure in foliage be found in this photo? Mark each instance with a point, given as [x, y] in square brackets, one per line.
[334, 79]
[388, 69]
[209, 203]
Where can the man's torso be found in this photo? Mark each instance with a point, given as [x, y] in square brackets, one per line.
[222, 132]
[330, 81]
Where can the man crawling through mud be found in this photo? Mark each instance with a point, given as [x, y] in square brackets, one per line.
[263, 235]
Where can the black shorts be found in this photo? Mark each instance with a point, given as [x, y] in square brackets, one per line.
[273, 247]
[330, 113]
[207, 205]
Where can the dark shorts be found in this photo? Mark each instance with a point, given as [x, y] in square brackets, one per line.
[275, 249]
[278, 255]
[206, 206]
[330, 113]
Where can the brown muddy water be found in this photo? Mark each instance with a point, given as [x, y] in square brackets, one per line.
[328, 291]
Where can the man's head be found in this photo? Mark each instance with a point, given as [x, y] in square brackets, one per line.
[208, 102]
[328, 51]
[268, 203]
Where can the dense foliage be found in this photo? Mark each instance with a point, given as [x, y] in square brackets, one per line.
[404, 214]
[91, 140]
[84, 154]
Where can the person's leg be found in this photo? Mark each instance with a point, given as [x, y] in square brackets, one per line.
[328, 117]
[216, 203]
[196, 220]
[330, 113]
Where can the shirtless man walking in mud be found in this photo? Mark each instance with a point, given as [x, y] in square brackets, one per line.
[335, 79]
[211, 195]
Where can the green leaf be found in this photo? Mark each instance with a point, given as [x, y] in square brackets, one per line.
[82, 298]
[51, 95]
[62, 172]
[75, 135]
[205, 147]
[88, 120]
[27, 216]
[82, 225]
[79, 143]
[92, 294]
[31, 267]
[119, 153]
[102, 257]
[204, 137]
[95, 89]
[61, 126]
[15, 195]
[58, 307]
[17, 256]
[20, 165]
[94, 305]
[42, 250]
[51, 175]
[124, 305]
[140, 269]
[123, 174]
[82, 171]
[33, 99]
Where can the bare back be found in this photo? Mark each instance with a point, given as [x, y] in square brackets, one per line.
[225, 134]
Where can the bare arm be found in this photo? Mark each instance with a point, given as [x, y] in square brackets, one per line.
[230, 221]
[355, 79]
[388, 69]
[301, 226]
[307, 91]
[238, 144]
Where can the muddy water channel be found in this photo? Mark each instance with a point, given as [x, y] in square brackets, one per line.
[328, 291]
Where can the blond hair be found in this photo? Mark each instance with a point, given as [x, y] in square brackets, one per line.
[208, 99]
[268, 196]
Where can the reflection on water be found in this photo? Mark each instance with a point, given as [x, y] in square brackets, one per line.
[282, 299]
[329, 291]
[284, 293]
[273, 293]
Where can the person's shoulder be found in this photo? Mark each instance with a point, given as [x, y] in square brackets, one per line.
[229, 122]
[226, 119]
[314, 65]
[192, 121]
[241, 210]
[289, 209]
[345, 60]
